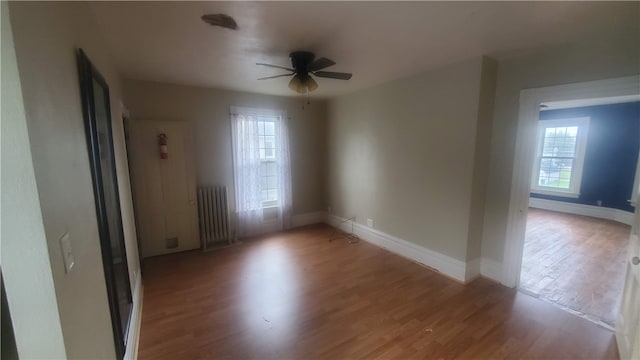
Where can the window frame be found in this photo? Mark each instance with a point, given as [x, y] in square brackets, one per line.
[578, 159]
[635, 191]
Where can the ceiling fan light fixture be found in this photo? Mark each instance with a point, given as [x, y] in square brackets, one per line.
[296, 84]
[303, 66]
[311, 84]
[302, 86]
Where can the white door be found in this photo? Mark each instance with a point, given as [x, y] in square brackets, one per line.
[164, 189]
[628, 324]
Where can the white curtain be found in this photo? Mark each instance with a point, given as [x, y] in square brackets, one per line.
[283, 157]
[248, 169]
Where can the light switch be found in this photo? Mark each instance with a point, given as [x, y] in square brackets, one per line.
[67, 252]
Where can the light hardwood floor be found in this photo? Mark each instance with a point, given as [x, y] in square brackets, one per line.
[575, 261]
[295, 295]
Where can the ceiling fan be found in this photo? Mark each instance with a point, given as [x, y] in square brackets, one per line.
[304, 66]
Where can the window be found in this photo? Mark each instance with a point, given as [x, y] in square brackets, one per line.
[560, 156]
[261, 166]
[268, 162]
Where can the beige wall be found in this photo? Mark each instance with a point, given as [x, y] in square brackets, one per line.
[46, 36]
[25, 257]
[208, 112]
[481, 158]
[602, 56]
[402, 154]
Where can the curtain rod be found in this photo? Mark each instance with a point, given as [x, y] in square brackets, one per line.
[235, 114]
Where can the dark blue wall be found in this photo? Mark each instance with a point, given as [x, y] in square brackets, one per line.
[611, 155]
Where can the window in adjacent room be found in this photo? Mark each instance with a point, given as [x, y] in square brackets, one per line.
[560, 154]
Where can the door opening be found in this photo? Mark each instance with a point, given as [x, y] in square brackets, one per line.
[627, 328]
[580, 211]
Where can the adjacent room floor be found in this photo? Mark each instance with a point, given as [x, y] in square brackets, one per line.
[295, 295]
[575, 261]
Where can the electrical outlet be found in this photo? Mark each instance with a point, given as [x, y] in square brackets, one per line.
[67, 252]
[370, 223]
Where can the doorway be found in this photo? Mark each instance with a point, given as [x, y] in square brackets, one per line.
[585, 163]
[626, 323]
[164, 185]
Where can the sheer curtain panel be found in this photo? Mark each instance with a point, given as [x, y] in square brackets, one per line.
[262, 170]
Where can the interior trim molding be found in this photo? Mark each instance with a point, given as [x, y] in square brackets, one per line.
[133, 335]
[447, 266]
[530, 100]
[443, 264]
[618, 215]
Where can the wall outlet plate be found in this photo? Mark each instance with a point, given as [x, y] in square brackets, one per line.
[67, 252]
[369, 223]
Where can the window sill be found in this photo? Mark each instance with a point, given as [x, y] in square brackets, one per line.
[555, 193]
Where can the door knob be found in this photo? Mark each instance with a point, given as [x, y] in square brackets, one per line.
[635, 260]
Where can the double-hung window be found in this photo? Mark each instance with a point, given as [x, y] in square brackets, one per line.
[262, 169]
[560, 152]
[268, 161]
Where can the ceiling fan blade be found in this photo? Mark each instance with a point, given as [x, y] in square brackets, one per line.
[320, 64]
[276, 66]
[275, 76]
[333, 75]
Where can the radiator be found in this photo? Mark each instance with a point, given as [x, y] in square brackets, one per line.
[213, 215]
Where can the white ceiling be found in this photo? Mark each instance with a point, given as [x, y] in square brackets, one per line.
[376, 41]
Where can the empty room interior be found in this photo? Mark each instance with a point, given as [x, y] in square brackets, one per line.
[326, 180]
[584, 191]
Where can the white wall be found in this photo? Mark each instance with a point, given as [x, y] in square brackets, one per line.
[602, 56]
[403, 154]
[46, 37]
[208, 112]
[24, 257]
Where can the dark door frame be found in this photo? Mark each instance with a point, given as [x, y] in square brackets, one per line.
[87, 74]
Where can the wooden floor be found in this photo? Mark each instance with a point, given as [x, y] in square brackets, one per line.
[297, 296]
[575, 261]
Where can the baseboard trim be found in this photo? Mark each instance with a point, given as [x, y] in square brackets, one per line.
[133, 335]
[307, 219]
[444, 264]
[618, 215]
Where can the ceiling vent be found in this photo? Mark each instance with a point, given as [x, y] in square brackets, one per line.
[222, 20]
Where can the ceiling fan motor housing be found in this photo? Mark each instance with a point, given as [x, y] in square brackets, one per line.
[300, 60]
